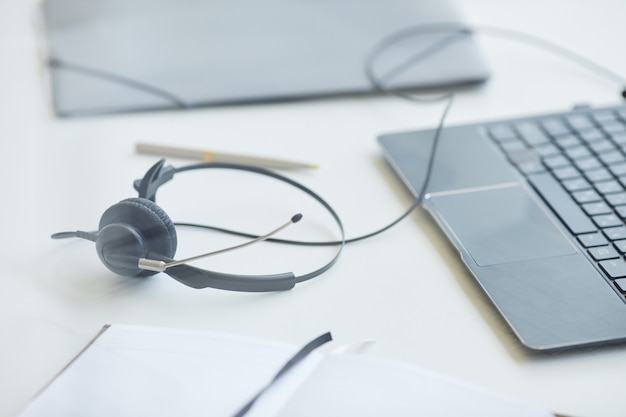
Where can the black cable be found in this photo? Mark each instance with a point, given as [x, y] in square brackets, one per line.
[468, 30]
[553, 48]
[119, 79]
[457, 31]
[416, 203]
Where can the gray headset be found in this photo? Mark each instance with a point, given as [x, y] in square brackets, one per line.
[136, 234]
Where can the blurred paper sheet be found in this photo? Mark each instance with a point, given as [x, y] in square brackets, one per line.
[144, 371]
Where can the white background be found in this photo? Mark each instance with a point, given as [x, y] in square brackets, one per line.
[406, 288]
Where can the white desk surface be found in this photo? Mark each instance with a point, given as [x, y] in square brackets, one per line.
[406, 288]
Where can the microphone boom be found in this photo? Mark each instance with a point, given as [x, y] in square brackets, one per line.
[161, 266]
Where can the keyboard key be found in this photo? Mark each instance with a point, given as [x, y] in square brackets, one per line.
[620, 283]
[614, 268]
[619, 138]
[513, 146]
[615, 233]
[585, 164]
[617, 199]
[568, 141]
[620, 245]
[591, 135]
[607, 187]
[597, 175]
[612, 127]
[563, 205]
[547, 150]
[589, 240]
[531, 167]
[579, 122]
[603, 252]
[556, 161]
[526, 160]
[502, 132]
[588, 196]
[602, 116]
[594, 209]
[618, 169]
[576, 184]
[555, 127]
[531, 133]
[578, 152]
[566, 173]
[607, 220]
[621, 211]
[517, 152]
[621, 113]
[602, 146]
[611, 158]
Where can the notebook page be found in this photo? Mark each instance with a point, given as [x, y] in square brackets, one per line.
[143, 371]
[357, 385]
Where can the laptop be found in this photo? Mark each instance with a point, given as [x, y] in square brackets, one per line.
[110, 56]
[535, 207]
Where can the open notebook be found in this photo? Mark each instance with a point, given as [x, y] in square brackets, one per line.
[131, 55]
[133, 371]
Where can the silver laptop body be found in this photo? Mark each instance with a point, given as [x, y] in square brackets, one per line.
[552, 290]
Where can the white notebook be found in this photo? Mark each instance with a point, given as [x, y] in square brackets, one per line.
[146, 371]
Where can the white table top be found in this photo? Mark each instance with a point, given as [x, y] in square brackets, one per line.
[406, 288]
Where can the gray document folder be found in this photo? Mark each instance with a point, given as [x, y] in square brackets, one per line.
[129, 55]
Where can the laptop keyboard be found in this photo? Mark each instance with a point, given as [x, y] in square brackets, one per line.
[576, 161]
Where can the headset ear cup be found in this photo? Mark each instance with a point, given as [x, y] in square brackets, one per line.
[131, 229]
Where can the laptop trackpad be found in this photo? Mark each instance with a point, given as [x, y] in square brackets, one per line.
[499, 225]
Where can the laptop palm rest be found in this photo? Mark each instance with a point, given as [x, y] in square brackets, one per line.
[544, 287]
[498, 225]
